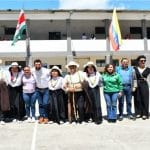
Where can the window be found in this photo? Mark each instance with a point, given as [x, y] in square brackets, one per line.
[133, 62]
[44, 65]
[116, 62]
[135, 30]
[100, 63]
[148, 32]
[9, 31]
[99, 30]
[54, 35]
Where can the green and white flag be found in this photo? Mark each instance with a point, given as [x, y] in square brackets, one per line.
[21, 26]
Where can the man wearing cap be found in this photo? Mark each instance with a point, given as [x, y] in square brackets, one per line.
[42, 77]
[17, 111]
[94, 80]
[73, 85]
[57, 95]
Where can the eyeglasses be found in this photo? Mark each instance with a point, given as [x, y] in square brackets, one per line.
[143, 60]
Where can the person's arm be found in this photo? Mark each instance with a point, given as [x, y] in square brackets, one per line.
[134, 80]
[120, 85]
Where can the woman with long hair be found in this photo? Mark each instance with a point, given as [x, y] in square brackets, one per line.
[112, 90]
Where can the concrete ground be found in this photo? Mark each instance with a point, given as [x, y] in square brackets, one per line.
[123, 135]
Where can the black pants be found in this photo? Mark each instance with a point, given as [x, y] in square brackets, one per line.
[79, 104]
[94, 94]
[141, 99]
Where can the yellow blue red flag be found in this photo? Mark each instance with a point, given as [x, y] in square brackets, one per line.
[114, 32]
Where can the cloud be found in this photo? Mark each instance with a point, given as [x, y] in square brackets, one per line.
[84, 4]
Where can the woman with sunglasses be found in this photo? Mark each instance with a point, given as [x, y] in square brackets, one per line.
[141, 95]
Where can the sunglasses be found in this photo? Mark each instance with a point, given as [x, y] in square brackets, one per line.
[143, 60]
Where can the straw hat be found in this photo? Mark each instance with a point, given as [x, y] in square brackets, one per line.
[90, 63]
[72, 63]
[14, 64]
[56, 68]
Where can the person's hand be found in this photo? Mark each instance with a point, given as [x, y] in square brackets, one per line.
[133, 89]
[71, 89]
[119, 94]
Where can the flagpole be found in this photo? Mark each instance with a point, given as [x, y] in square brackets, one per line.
[28, 52]
[108, 56]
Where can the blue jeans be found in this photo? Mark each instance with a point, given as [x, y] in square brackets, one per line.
[111, 103]
[127, 93]
[43, 100]
[30, 99]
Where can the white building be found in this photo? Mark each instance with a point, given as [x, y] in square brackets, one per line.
[56, 35]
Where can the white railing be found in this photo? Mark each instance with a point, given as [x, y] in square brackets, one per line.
[51, 46]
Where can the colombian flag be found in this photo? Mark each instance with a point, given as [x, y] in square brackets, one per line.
[114, 32]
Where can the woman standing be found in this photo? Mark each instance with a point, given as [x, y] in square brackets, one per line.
[17, 108]
[94, 80]
[141, 95]
[56, 95]
[112, 90]
[29, 94]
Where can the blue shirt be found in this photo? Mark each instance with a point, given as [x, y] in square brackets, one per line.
[126, 74]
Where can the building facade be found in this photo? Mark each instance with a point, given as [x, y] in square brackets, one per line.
[56, 36]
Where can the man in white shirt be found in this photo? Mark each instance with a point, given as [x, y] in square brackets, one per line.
[42, 77]
[73, 85]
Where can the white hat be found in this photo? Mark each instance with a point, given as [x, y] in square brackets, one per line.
[56, 68]
[90, 63]
[14, 64]
[72, 63]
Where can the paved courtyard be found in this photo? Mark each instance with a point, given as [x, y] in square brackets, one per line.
[124, 135]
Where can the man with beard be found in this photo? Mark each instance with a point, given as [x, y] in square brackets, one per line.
[42, 77]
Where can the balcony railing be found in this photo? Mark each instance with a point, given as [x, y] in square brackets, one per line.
[57, 47]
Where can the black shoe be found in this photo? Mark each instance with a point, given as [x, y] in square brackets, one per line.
[131, 117]
[109, 120]
[113, 120]
[138, 116]
[120, 118]
[144, 117]
[98, 122]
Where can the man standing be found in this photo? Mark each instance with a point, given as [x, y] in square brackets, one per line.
[42, 76]
[73, 86]
[128, 80]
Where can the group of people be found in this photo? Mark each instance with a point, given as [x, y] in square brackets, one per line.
[74, 97]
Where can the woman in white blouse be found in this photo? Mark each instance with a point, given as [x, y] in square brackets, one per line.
[17, 107]
[56, 95]
[94, 80]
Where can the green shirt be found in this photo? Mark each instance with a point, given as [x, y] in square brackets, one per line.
[112, 82]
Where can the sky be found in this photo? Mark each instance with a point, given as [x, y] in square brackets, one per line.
[75, 4]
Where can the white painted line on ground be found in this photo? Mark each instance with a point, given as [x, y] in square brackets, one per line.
[34, 136]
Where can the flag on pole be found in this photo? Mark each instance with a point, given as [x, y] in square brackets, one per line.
[114, 32]
[21, 26]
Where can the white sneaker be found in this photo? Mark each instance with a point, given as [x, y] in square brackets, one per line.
[2, 123]
[14, 120]
[51, 122]
[33, 119]
[28, 120]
